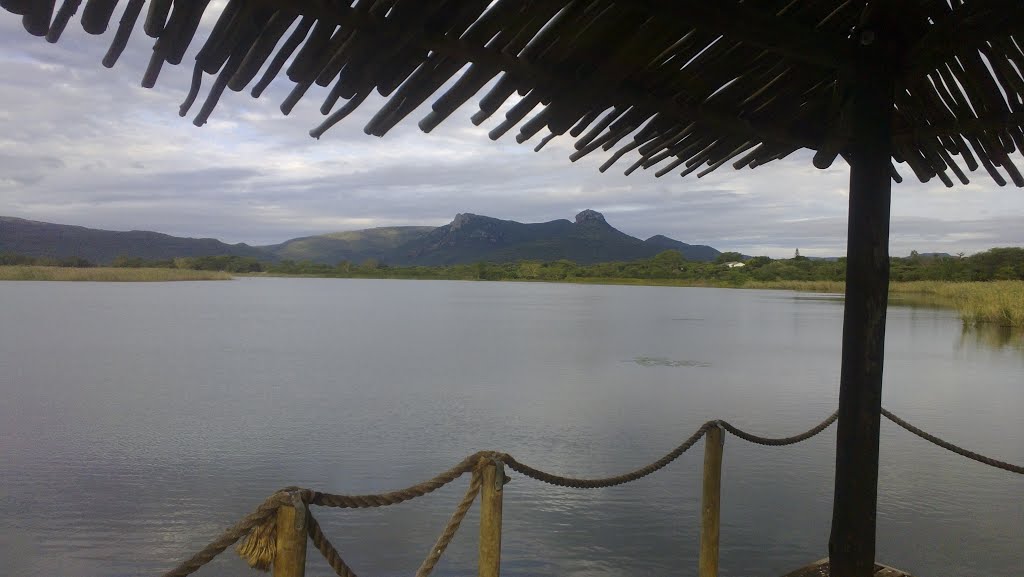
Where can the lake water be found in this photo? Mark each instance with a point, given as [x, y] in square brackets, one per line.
[137, 421]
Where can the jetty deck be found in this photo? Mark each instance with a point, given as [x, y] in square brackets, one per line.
[822, 568]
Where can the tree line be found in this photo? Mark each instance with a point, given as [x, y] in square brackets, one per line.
[993, 264]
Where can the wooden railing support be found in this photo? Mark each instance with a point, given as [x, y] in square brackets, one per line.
[491, 490]
[711, 502]
[290, 556]
[870, 91]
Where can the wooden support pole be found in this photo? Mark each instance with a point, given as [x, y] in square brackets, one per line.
[290, 557]
[711, 502]
[870, 88]
[491, 490]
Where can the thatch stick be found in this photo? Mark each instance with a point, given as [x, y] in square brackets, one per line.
[37, 20]
[97, 14]
[156, 17]
[60, 21]
[124, 32]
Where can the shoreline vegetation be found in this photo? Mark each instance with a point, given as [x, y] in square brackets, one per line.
[999, 302]
[985, 288]
[107, 274]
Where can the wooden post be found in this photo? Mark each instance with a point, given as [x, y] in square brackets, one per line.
[491, 490]
[711, 502]
[290, 556]
[870, 89]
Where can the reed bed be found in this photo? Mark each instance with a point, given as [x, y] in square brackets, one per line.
[990, 302]
[993, 302]
[997, 302]
[107, 274]
[817, 286]
[633, 281]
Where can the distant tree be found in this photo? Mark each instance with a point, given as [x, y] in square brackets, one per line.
[125, 261]
[728, 257]
[9, 258]
[996, 263]
[668, 259]
[758, 262]
[242, 264]
[528, 269]
[76, 262]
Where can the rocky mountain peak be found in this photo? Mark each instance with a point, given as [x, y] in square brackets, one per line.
[589, 216]
[462, 219]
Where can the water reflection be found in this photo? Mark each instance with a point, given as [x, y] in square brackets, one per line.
[928, 309]
[663, 362]
[921, 301]
[991, 336]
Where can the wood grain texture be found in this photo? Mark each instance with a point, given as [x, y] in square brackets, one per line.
[491, 493]
[711, 502]
[290, 557]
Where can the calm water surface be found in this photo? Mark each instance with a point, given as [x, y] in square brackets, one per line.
[139, 420]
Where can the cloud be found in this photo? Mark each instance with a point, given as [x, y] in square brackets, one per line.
[82, 144]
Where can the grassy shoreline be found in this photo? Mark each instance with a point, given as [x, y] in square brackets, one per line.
[984, 302]
[823, 286]
[991, 302]
[107, 274]
[998, 302]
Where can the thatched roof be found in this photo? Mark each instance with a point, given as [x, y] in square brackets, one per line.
[669, 84]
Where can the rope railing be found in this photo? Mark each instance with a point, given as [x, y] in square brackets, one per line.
[260, 532]
[954, 448]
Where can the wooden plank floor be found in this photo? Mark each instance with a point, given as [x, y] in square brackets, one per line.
[821, 569]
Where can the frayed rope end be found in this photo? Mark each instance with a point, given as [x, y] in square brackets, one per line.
[260, 545]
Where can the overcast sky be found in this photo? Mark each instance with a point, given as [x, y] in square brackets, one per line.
[81, 144]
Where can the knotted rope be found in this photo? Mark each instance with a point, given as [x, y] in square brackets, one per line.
[402, 495]
[265, 512]
[264, 534]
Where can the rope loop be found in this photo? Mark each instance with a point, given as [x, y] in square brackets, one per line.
[779, 441]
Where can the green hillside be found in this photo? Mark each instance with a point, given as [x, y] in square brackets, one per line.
[469, 238]
[353, 246]
[472, 238]
[43, 239]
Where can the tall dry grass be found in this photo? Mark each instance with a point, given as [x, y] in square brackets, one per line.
[996, 302]
[999, 302]
[817, 286]
[104, 274]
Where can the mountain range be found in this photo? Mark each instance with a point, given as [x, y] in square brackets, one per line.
[468, 238]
